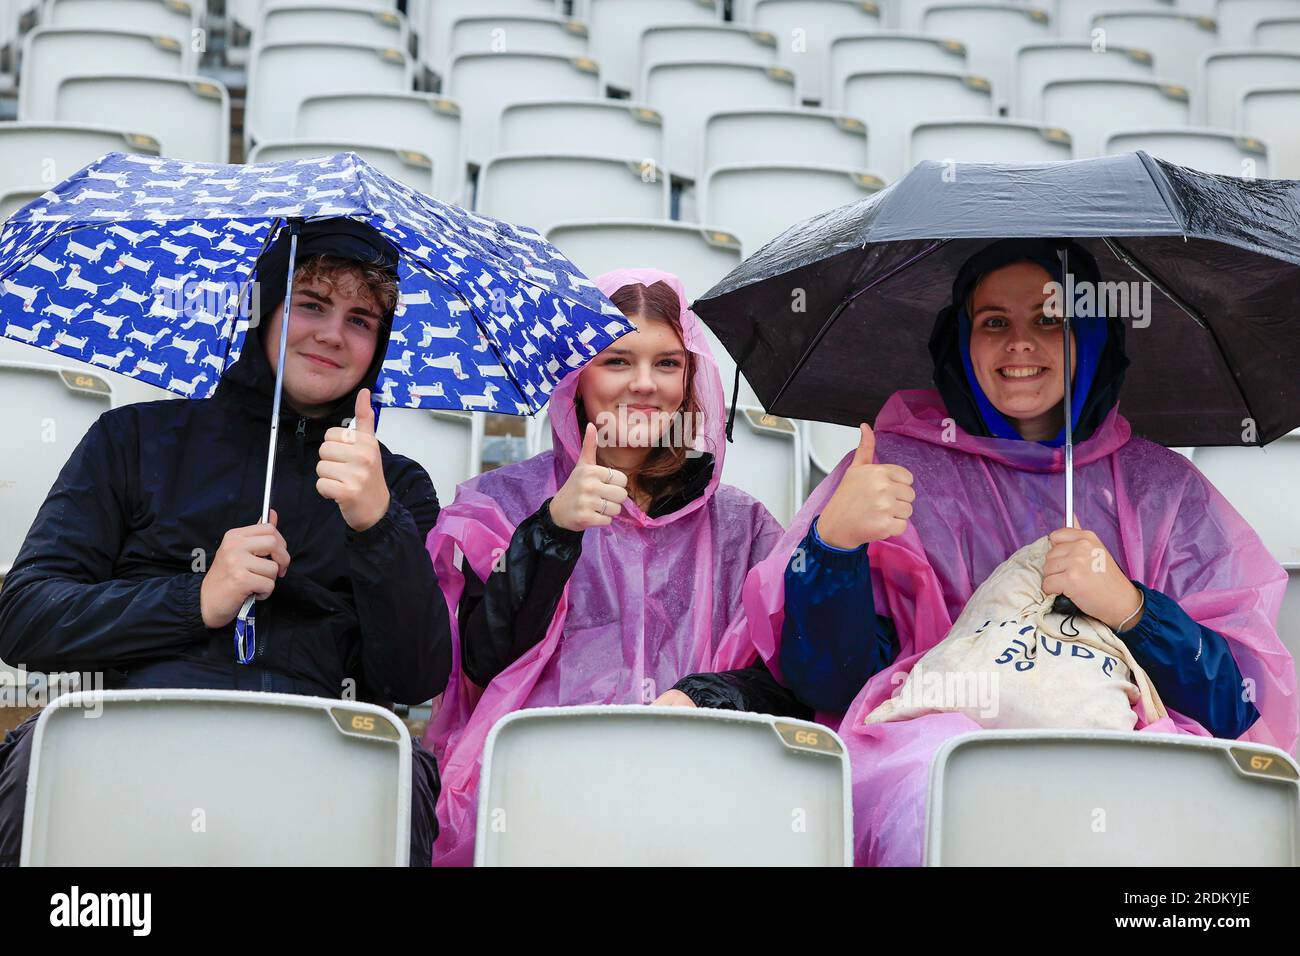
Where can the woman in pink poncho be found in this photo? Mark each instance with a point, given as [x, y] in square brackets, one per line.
[951, 483]
[605, 571]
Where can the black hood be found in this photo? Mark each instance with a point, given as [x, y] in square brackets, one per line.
[251, 378]
[945, 348]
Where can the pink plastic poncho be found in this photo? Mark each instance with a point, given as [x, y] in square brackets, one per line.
[650, 601]
[977, 501]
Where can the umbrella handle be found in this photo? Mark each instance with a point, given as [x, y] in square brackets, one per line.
[246, 632]
[1063, 605]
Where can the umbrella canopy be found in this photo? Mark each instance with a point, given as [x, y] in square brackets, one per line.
[834, 316]
[142, 265]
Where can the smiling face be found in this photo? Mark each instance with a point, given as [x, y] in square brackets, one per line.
[334, 327]
[636, 385]
[1016, 350]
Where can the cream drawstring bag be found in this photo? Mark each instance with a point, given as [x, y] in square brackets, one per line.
[1010, 663]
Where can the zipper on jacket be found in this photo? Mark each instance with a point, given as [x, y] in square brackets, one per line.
[300, 436]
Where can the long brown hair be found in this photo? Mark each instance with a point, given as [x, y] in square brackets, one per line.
[660, 475]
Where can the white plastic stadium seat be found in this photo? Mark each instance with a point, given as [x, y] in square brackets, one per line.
[446, 443]
[1037, 64]
[1240, 473]
[991, 33]
[282, 75]
[828, 443]
[508, 33]
[1278, 33]
[1227, 74]
[891, 102]
[39, 156]
[791, 192]
[616, 27]
[784, 135]
[159, 17]
[768, 460]
[588, 125]
[687, 93]
[233, 779]
[540, 190]
[1105, 798]
[1074, 17]
[735, 43]
[1222, 151]
[557, 789]
[1237, 18]
[415, 122]
[406, 166]
[908, 14]
[52, 53]
[485, 83]
[1175, 38]
[1093, 108]
[363, 23]
[989, 141]
[52, 407]
[1271, 112]
[438, 16]
[888, 50]
[804, 30]
[698, 255]
[189, 116]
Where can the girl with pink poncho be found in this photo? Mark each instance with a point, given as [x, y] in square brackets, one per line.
[951, 483]
[609, 569]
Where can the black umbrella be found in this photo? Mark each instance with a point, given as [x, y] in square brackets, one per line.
[833, 316]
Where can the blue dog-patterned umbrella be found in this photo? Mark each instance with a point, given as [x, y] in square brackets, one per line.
[141, 265]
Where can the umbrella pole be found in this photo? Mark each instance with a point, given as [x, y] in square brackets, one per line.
[245, 626]
[1069, 389]
[1062, 604]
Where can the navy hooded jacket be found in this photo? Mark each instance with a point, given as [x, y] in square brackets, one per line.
[109, 575]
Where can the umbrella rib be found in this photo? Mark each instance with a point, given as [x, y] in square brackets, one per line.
[826, 326]
[248, 284]
[1141, 268]
[18, 264]
[1147, 273]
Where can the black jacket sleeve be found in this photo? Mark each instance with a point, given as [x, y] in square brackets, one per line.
[61, 607]
[502, 618]
[405, 630]
[751, 688]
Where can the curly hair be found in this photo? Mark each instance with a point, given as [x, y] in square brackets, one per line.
[334, 271]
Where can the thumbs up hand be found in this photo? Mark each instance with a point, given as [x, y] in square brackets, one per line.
[593, 494]
[351, 471]
[873, 502]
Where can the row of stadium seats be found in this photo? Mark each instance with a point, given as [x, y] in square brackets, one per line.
[561, 778]
[1078, 95]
